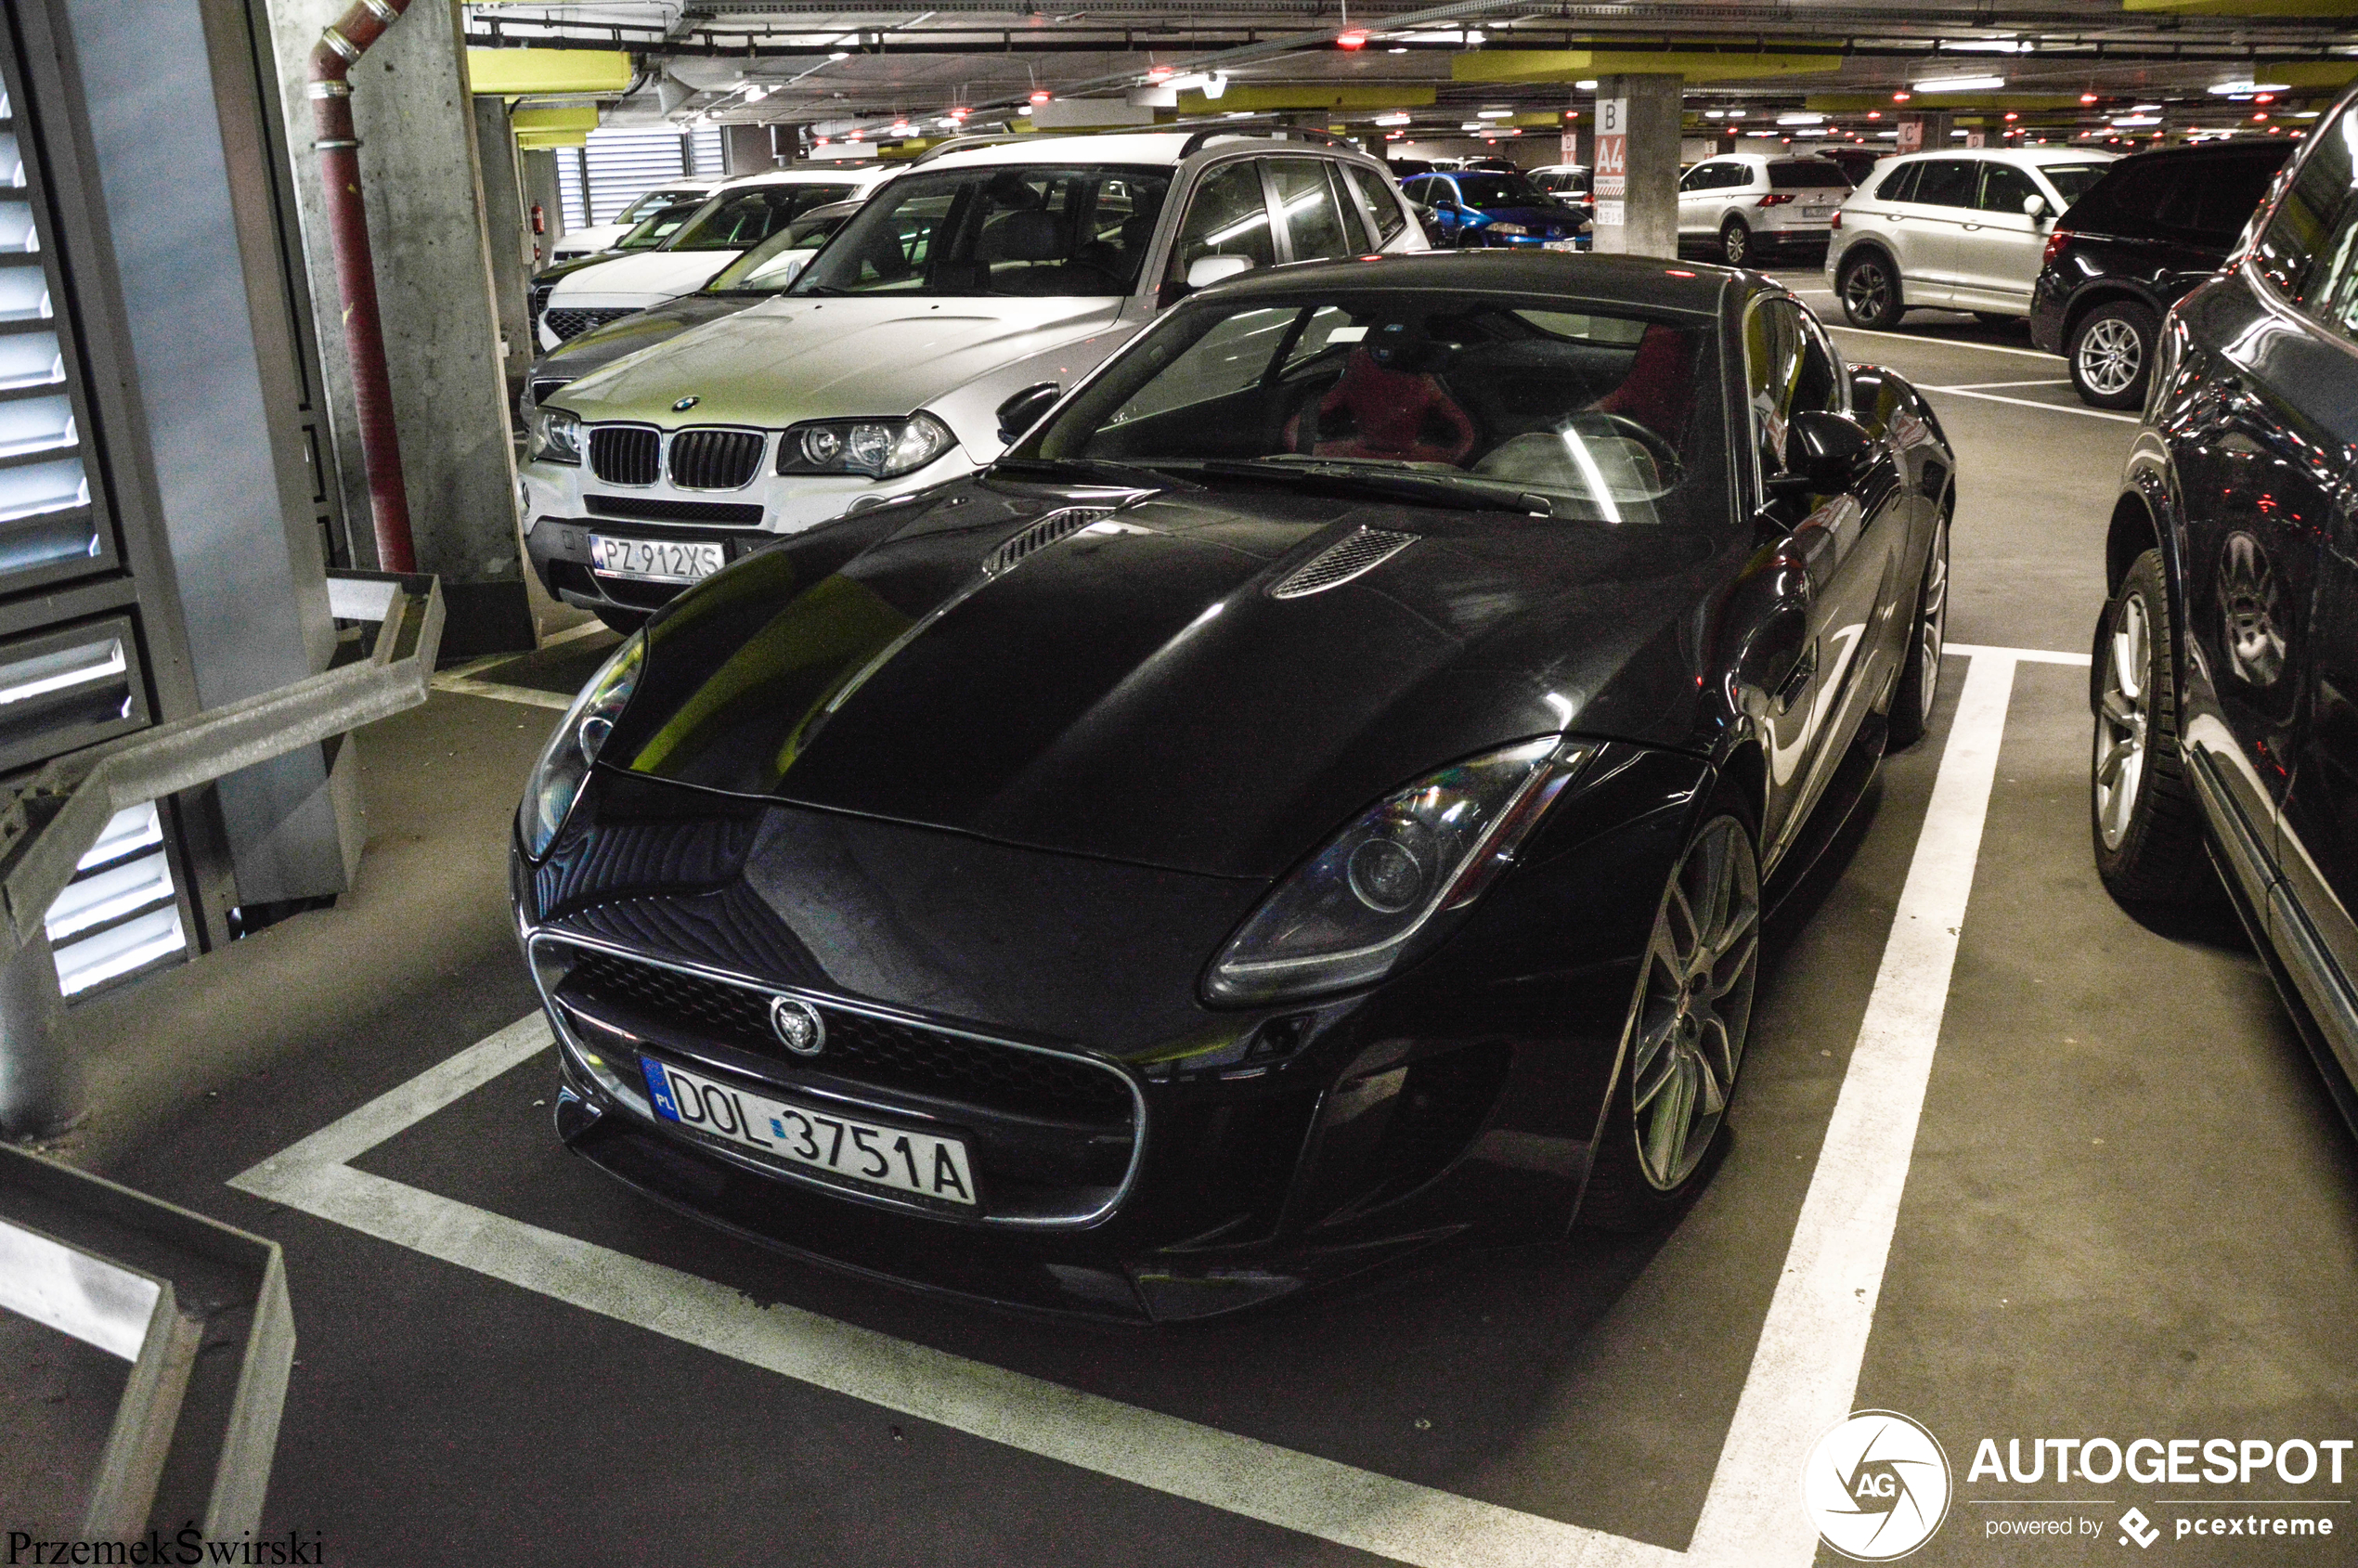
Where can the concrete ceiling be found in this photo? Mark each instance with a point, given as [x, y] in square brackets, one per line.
[776, 62]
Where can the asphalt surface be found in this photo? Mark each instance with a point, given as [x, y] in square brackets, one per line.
[2128, 1210]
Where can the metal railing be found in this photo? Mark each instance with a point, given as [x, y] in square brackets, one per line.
[53, 820]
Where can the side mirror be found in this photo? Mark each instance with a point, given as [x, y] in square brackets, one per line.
[1824, 452]
[1019, 413]
[1204, 271]
[2036, 205]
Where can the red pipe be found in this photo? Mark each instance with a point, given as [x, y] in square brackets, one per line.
[340, 47]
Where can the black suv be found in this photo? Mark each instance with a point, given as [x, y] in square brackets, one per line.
[2151, 228]
[2225, 683]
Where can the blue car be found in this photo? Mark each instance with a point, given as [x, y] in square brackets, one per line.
[1474, 207]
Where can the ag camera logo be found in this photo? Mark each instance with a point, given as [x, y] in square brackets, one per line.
[1877, 1486]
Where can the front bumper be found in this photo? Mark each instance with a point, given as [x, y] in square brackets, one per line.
[1206, 1161]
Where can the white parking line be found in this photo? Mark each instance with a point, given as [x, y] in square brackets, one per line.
[1939, 342]
[2031, 403]
[1994, 386]
[1804, 1367]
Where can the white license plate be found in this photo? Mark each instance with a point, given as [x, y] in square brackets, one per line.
[1560, 244]
[1817, 212]
[918, 1162]
[654, 561]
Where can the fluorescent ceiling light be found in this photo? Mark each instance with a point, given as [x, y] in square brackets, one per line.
[1397, 117]
[1494, 113]
[1801, 119]
[2238, 88]
[1989, 46]
[1473, 125]
[840, 54]
[1961, 84]
[1715, 114]
[1586, 84]
[2133, 122]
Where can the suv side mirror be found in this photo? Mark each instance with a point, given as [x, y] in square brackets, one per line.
[1824, 452]
[1019, 413]
[2036, 205]
[1204, 271]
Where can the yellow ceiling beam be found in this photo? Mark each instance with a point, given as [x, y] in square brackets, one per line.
[1305, 94]
[536, 141]
[1572, 65]
[2245, 8]
[528, 72]
[1859, 103]
[555, 117]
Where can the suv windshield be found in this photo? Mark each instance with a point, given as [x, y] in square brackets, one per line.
[665, 223]
[1487, 192]
[2071, 180]
[1808, 174]
[1041, 230]
[658, 198]
[1525, 404]
[770, 266]
[738, 220]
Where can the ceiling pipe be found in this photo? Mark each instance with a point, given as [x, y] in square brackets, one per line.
[340, 47]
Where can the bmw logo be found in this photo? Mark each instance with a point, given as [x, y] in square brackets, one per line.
[798, 1026]
[685, 404]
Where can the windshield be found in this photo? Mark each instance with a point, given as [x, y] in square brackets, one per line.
[738, 220]
[1040, 231]
[1483, 192]
[1532, 404]
[659, 227]
[2071, 180]
[770, 266]
[1810, 175]
[658, 198]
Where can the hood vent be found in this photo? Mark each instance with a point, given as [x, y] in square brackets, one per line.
[1361, 553]
[1046, 532]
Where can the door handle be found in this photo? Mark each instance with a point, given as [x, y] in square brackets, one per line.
[1973, 226]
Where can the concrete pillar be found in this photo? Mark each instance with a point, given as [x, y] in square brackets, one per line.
[510, 236]
[426, 210]
[745, 149]
[1924, 130]
[1637, 125]
[542, 195]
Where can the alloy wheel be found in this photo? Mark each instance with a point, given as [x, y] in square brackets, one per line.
[2124, 720]
[1695, 1005]
[1865, 291]
[1735, 241]
[2111, 355]
[1932, 621]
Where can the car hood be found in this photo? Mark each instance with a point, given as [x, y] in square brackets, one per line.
[645, 276]
[1133, 690]
[795, 358]
[596, 237]
[657, 324]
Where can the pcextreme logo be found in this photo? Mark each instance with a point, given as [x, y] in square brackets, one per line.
[1877, 1486]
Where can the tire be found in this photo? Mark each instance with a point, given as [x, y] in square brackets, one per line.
[1869, 285]
[623, 621]
[1735, 243]
[1665, 1126]
[2142, 814]
[1920, 677]
[2111, 355]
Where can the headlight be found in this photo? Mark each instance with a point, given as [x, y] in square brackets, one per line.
[556, 436]
[879, 448]
[557, 778]
[1396, 881]
[1508, 229]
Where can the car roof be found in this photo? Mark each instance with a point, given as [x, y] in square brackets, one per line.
[811, 174]
[2024, 155]
[2242, 147]
[1126, 146]
[1643, 281]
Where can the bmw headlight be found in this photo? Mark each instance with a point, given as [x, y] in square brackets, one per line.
[879, 448]
[556, 436]
[564, 768]
[1396, 880]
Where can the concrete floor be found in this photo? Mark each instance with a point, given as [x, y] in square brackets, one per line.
[2129, 1213]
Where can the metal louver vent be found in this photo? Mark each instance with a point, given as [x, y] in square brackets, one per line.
[625, 454]
[1339, 562]
[715, 460]
[1046, 532]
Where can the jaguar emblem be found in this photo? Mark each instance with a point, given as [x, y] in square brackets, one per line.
[797, 1024]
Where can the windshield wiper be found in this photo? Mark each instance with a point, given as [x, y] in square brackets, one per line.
[1102, 471]
[1464, 492]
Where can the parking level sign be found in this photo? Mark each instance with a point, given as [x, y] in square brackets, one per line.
[1611, 185]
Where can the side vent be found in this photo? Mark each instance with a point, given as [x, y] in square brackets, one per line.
[1047, 531]
[1339, 562]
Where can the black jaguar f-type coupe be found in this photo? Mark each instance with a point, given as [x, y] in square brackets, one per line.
[1314, 797]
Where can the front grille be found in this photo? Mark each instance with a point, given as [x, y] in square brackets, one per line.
[715, 460]
[884, 1052]
[540, 292]
[1363, 551]
[625, 454]
[571, 321]
[653, 508]
[544, 386]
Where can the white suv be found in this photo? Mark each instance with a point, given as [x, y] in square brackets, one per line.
[939, 322]
[1746, 204]
[1960, 230]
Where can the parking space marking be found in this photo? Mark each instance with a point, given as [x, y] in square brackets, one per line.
[1999, 387]
[1804, 1373]
[2030, 403]
[1940, 343]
